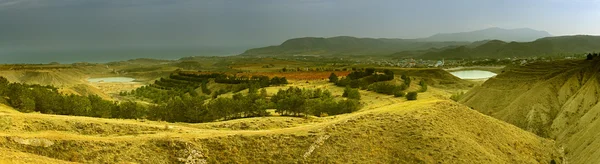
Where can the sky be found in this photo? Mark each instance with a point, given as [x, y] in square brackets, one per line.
[52, 25]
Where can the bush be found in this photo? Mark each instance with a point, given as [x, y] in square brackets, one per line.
[351, 93]
[423, 86]
[457, 96]
[411, 96]
[386, 88]
[399, 94]
[333, 78]
[406, 80]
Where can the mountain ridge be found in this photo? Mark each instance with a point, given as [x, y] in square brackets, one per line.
[549, 46]
[494, 33]
[345, 45]
[349, 45]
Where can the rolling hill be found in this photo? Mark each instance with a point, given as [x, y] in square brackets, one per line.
[345, 45]
[550, 46]
[558, 100]
[495, 33]
[392, 130]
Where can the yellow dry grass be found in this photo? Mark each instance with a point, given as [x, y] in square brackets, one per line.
[557, 100]
[387, 130]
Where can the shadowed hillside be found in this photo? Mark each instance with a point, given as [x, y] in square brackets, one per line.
[550, 46]
[345, 45]
[559, 100]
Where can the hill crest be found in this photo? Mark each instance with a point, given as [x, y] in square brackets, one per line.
[558, 100]
[549, 46]
[346, 45]
[494, 33]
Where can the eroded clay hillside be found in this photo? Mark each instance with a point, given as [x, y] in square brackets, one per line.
[557, 100]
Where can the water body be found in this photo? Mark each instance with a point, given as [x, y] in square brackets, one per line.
[111, 79]
[26, 55]
[473, 74]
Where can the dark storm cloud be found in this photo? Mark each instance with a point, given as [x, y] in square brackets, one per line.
[81, 24]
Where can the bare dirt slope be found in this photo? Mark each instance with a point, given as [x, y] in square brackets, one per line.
[429, 130]
[45, 77]
[558, 100]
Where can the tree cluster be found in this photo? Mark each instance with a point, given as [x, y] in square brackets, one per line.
[386, 88]
[196, 109]
[47, 99]
[591, 56]
[362, 79]
[351, 93]
[298, 69]
[182, 83]
[296, 102]
[174, 106]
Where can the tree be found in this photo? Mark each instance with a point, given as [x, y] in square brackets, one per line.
[100, 107]
[333, 78]
[348, 106]
[263, 93]
[351, 93]
[590, 56]
[28, 105]
[423, 86]
[294, 105]
[406, 80]
[411, 96]
[369, 71]
[131, 110]
[204, 88]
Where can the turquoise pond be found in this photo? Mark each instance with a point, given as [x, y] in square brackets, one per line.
[111, 79]
[473, 74]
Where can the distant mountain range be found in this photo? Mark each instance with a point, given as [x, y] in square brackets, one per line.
[346, 45]
[508, 35]
[550, 46]
[487, 43]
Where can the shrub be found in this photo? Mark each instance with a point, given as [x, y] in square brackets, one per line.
[411, 96]
[457, 96]
[399, 94]
[333, 78]
[406, 80]
[351, 93]
[386, 88]
[423, 86]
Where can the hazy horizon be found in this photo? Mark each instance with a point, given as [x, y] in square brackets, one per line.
[57, 26]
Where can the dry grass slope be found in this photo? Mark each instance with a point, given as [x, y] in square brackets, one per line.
[558, 100]
[429, 130]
